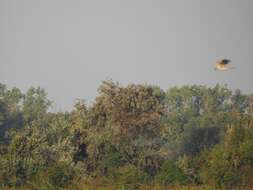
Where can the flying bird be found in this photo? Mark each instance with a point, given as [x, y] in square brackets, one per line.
[223, 65]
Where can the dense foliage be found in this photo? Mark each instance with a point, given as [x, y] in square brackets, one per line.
[133, 137]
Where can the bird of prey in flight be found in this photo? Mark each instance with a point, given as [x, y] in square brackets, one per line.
[223, 65]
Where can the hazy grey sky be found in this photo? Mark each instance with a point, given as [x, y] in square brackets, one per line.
[69, 46]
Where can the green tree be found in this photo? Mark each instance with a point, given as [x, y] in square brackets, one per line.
[128, 119]
[35, 105]
[229, 163]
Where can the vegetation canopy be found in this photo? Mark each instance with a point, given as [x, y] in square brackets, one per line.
[131, 137]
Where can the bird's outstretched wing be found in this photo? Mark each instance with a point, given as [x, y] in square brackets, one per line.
[222, 65]
[224, 61]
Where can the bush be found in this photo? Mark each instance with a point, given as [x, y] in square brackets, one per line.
[228, 162]
[130, 177]
[110, 161]
[60, 175]
[170, 173]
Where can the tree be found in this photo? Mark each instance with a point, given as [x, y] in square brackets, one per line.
[196, 117]
[128, 119]
[231, 162]
[35, 105]
[10, 115]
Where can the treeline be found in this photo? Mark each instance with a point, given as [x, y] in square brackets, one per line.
[132, 137]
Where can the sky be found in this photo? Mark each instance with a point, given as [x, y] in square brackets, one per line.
[69, 47]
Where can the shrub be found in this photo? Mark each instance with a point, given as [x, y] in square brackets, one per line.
[170, 173]
[60, 175]
[228, 162]
[130, 177]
